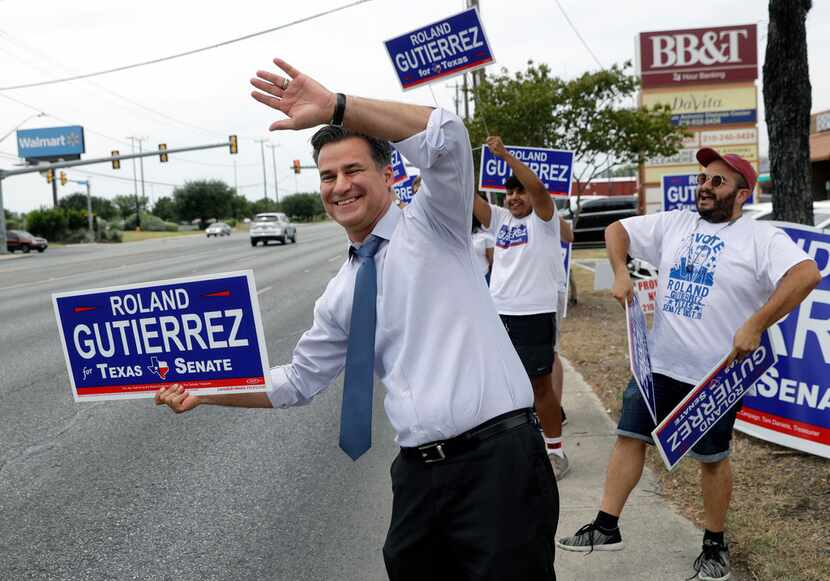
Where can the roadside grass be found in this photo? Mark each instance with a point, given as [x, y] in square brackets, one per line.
[777, 520]
[133, 236]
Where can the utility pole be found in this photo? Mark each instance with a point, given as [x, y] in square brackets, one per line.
[137, 205]
[273, 149]
[89, 210]
[55, 191]
[264, 179]
[235, 182]
[135, 183]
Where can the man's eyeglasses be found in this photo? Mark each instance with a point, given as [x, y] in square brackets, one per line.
[717, 181]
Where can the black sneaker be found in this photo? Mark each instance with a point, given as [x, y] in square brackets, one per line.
[592, 538]
[713, 562]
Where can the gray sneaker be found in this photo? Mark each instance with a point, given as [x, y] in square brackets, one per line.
[561, 464]
[713, 562]
[592, 538]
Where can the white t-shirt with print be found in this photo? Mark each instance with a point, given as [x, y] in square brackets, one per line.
[712, 278]
[527, 263]
[482, 240]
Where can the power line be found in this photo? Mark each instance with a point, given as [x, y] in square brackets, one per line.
[186, 53]
[573, 27]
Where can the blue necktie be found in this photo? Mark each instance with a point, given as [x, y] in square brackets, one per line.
[356, 414]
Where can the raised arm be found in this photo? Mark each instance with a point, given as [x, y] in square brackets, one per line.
[307, 103]
[482, 211]
[540, 199]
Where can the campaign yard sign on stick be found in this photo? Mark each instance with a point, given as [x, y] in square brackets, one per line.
[203, 332]
[638, 356]
[398, 167]
[445, 48]
[709, 401]
[403, 190]
[679, 192]
[553, 166]
[790, 405]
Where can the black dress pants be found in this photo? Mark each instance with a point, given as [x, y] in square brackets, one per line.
[485, 515]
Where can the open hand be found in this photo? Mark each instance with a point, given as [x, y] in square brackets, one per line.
[306, 102]
[176, 398]
[496, 145]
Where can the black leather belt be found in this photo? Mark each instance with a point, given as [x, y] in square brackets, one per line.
[446, 449]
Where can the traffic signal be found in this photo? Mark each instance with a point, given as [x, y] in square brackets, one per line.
[163, 150]
[232, 141]
[116, 163]
[296, 166]
[50, 176]
[63, 178]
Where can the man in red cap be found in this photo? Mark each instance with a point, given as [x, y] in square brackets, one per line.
[723, 279]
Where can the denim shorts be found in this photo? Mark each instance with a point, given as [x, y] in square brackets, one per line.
[635, 421]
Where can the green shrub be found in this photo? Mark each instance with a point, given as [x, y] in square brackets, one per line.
[150, 223]
[51, 223]
[111, 235]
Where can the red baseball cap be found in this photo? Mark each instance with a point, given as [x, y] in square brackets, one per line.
[707, 155]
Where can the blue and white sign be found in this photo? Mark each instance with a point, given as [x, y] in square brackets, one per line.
[553, 166]
[638, 356]
[204, 333]
[442, 49]
[51, 142]
[404, 191]
[790, 405]
[709, 401]
[398, 167]
[679, 192]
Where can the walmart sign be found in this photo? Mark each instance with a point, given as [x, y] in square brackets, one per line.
[51, 142]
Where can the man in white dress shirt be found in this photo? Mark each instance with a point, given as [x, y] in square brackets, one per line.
[474, 494]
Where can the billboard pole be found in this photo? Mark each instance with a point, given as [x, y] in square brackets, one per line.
[55, 191]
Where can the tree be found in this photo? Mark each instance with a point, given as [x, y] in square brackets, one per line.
[264, 205]
[101, 207]
[587, 115]
[303, 207]
[126, 204]
[240, 207]
[165, 208]
[203, 200]
[787, 100]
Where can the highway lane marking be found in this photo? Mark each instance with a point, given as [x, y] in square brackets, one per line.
[264, 290]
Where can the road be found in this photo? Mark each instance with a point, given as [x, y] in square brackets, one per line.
[125, 490]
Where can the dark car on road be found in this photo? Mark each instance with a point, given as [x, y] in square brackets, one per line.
[19, 240]
[38, 243]
[596, 213]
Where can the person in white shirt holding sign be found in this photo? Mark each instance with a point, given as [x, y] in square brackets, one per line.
[474, 496]
[525, 281]
[723, 280]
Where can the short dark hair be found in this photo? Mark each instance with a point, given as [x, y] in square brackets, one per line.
[513, 184]
[380, 149]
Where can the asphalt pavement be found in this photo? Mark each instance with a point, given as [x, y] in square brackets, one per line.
[125, 490]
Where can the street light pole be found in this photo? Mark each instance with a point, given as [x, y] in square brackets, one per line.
[274, 165]
[264, 179]
[135, 182]
[137, 205]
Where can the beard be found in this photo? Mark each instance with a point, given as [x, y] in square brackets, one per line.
[721, 210]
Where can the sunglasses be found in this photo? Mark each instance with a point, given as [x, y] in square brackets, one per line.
[717, 181]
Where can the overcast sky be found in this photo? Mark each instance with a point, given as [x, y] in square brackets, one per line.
[203, 98]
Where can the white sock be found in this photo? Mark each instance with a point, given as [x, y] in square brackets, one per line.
[554, 446]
